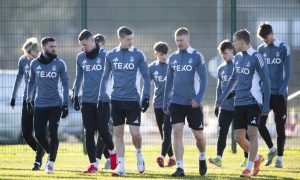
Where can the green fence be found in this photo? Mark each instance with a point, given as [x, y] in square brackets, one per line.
[209, 22]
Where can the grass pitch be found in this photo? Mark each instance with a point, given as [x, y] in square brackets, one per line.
[16, 162]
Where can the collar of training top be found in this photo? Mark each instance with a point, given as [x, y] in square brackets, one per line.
[190, 50]
[229, 62]
[93, 53]
[46, 58]
[249, 51]
[119, 48]
[276, 42]
[156, 61]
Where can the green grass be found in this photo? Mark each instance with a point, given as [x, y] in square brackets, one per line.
[16, 161]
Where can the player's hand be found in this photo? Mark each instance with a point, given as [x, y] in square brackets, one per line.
[72, 97]
[167, 111]
[76, 104]
[64, 111]
[29, 107]
[12, 102]
[216, 111]
[195, 105]
[145, 105]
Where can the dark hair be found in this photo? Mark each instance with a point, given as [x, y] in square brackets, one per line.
[84, 34]
[45, 40]
[99, 38]
[124, 31]
[161, 47]
[225, 44]
[182, 31]
[264, 30]
[243, 34]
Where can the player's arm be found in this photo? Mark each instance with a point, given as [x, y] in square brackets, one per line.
[18, 81]
[31, 83]
[168, 89]
[152, 85]
[104, 80]
[146, 87]
[145, 73]
[218, 89]
[65, 83]
[287, 71]
[230, 86]
[201, 70]
[262, 70]
[78, 79]
[151, 73]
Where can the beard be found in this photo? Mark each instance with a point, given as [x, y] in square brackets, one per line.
[50, 55]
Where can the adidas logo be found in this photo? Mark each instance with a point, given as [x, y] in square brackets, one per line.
[38, 68]
[84, 62]
[201, 126]
[253, 121]
[115, 60]
[284, 116]
[136, 121]
[175, 62]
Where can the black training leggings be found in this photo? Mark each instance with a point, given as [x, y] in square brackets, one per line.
[27, 132]
[41, 117]
[100, 147]
[165, 130]
[96, 121]
[225, 119]
[279, 106]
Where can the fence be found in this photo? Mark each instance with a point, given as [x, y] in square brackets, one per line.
[208, 21]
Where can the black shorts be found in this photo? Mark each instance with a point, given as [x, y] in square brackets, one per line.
[248, 115]
[194, 116]
[129, 110]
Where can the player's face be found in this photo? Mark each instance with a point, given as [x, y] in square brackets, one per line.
[238, 44]
[101, 44]
[87, 45]
[269, 39]
[34, 53]
[126, 42]
[160, 56]
[182, 42]
[227, 54]
[50, 47]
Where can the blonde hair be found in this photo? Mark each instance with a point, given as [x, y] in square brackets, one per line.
[31, 44]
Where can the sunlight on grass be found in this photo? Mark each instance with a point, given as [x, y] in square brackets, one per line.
[16, 161]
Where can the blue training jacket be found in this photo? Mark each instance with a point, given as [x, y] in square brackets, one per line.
[158, 74]
[224, 72]
[88, 76]
[278, 58]
[249, 71]
[186, 78]
[125, 67]
[47, 77]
